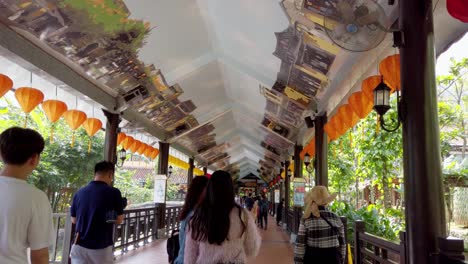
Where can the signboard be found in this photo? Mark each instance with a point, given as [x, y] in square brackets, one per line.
[299, 191]
[277, 196]
[160, 188]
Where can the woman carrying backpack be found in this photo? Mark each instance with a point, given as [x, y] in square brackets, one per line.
[194, 192]
[220, 231]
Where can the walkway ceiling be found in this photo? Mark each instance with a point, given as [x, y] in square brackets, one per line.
[228, 103]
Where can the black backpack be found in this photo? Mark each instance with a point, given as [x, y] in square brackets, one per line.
[173, 246]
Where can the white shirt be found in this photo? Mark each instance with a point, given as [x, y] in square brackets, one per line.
[25, 220]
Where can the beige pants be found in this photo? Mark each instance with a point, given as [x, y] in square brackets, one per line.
[81, 255]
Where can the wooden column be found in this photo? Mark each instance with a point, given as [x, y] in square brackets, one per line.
[163, 165]
[286, 190]
[190, 171]
[424, 196]
[297, 174]
[321, 151]
[110, 142]
[205, 170]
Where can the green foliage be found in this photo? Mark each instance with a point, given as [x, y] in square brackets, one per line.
[62, 169]
[386, 223]
[135, 193]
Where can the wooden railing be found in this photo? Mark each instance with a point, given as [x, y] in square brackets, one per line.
[139, 228]
[375, 250]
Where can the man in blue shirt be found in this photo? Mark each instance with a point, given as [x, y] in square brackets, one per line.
[95, 209]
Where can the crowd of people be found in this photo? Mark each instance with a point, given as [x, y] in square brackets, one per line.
[214, 228]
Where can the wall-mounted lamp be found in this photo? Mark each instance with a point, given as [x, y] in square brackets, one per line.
[122, 156]
[382, 105]
[169, 171]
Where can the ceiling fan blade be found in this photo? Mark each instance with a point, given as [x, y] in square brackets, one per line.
[346, 11]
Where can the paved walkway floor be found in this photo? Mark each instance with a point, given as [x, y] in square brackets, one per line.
[275, 249]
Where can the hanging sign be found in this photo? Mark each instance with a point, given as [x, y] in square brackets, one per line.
[160, 188]
[277, 196]
[299, 191]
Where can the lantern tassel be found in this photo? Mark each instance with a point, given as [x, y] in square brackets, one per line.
[26, 121]
[52, 134]
[73, 139]
[89, 145]
[350, 139]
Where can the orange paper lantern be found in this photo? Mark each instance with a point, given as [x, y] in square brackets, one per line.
[330, 130]
[148, 151]
[348, 116]
[311, 149]
[53, 109]
[369, 84]
[92, 126]
[5, 84]
[28, 98]
[141, 149]
[120, 138]
[154, 154]
[135, 146]
[361, 104]
[127, 142]
[74, 119]
[390, 70]
[339, 125]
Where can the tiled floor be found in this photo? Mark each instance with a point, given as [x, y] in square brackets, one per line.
[275, 249]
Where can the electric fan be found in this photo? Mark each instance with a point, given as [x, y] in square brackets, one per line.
[357, 25]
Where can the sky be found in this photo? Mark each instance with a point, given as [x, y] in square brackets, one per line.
[457, 50]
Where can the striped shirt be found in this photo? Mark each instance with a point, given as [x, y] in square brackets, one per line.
[317, 233]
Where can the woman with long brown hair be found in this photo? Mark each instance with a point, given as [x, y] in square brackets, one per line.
[194, 193]
[220, 231]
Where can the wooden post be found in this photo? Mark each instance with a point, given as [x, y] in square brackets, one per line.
[297, 174]
[286, 191]
[403, 248]
[110, 142]
[359, 226]
[205, 170]
[321, 151]
[163, 166]
[190, 171]
[424, 196]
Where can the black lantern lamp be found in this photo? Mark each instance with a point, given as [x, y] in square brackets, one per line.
[382, 105]
[289, 173]
[307, 159]
[122, 156]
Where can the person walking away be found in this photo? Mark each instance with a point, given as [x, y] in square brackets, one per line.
[263, 208]
[279, 212]
[249, 202]
[220, 231]
[321, 233]
[95, 208]
[25, 211]
[256, 212]
[194, 193]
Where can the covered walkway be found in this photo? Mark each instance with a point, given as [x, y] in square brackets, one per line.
[275, 249]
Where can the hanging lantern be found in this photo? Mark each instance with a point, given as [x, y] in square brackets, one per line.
[348, 116]
[135, 146]
[154, 154]
[141, 149]
[390, 70]
[361, 104]
[339, 125]
[92, 126]
[127, 142]
[148, 151]
[120, 138]
[53, 109]
[5, 84]
[330, 130]
[28, 98]
[74, 119]
[311, 150]
[369, 84]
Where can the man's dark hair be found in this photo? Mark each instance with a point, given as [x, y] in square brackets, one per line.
[104, 167]
[18, 145]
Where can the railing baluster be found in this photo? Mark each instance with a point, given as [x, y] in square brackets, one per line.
[359, 227]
